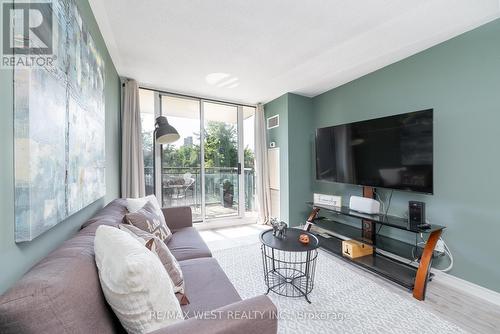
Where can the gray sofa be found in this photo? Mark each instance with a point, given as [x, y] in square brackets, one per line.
[62, 293]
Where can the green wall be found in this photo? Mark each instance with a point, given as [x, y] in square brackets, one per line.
[295, 141]
[301, 142]
[279, 135]
[16, 259]
[460, 79]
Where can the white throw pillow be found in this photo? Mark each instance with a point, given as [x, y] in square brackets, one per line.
[159, 248]
[134, 282]
[135, 204]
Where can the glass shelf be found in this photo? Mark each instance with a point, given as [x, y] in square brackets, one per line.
[392, 259]
[394, 246]
[398, 272]
[387, 220]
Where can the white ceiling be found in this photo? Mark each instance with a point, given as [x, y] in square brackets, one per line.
[274, 46]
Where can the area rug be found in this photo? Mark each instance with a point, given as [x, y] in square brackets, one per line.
[343, 301]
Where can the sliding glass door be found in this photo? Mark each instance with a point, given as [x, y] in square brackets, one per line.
[248, 157]
[221, 158]
[181, 181]
[210, 168]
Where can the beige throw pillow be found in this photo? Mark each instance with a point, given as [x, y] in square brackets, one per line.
[161, 250]
[135, 204]
[134, 282]
[148, 220]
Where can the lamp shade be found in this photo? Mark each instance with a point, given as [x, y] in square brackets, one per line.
[165, 133]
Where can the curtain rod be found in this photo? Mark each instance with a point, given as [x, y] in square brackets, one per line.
[197, 97]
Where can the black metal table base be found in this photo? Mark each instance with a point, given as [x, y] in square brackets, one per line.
[289, 274]
[281, 284]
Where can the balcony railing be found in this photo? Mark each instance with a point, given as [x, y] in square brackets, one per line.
[182, 186]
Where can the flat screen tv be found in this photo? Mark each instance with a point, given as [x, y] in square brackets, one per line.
[394, 152]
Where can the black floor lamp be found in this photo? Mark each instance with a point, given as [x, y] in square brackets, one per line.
[164, 133]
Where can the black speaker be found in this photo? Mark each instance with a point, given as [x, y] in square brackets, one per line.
[416, 213]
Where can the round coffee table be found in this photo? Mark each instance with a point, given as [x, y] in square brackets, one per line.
[289, 265]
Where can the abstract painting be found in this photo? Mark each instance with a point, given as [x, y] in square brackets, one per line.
[59, 119]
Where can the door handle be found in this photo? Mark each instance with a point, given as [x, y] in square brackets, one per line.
[239, 168]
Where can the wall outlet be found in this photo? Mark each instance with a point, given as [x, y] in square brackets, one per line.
[439, 246]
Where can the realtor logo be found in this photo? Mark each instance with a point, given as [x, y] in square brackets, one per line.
[27, 36]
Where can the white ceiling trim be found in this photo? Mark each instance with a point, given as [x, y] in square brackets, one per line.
[196, 97]
[101, 16]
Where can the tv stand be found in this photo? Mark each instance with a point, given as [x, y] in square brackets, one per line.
[399, 268]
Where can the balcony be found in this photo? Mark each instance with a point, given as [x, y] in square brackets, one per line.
[181, 186]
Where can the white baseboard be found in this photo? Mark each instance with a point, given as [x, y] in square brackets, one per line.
[463, 286]
[467, 287]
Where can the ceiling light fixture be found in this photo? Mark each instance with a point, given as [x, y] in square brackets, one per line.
[227, 82]
[222, 80]
[215, 78]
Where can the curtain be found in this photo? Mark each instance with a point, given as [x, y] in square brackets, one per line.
[132, 183]
[262, 167]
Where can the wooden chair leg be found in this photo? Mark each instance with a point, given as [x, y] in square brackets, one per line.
[425, 266]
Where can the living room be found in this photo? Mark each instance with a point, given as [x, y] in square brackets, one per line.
[249, 167]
